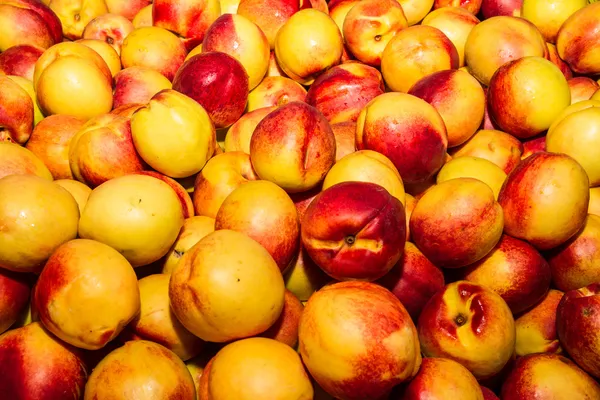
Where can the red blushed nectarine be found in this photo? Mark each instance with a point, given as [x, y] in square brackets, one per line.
[358, 341]
[14, 297]
[20, 60]
[577, 40]
[354, 230]
[499, 147]
[536, 328]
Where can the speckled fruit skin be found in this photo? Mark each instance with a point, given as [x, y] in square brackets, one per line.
[354, 230]
[218, 82]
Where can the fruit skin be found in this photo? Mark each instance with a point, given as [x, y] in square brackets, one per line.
[264, 212]
[532, 194]
[546, 376]
[127, 8]
[549, 16]
[527, 109]
[20, 60]
[109, 28]
[189, 19]
[458, 97]
[341, 332]
[515, 270]
[156, 321]
[143, 17]
[416, 10]
[308, 44]
[457, 222]
[354, 230]
[387, 126]
[345, 138]
[536, 328]
[37, 217]
[155, 48]
[86, 272]
[438, 377]
[16, 112]
[219, 177]
[488, 394]
[215, 315]
[78, 190]
[218, 82]
[304, 277]
[258, 368]
[471, 6]
[75, 15]
[594, 207]
[14, 297]
[36, 365]
[269, 15]
[556, 60]
[414, 53]
[576, 135]
[470, 324]
[342, 92]
[194, 228]
[577, 40]
[494, 8]
[413, 280]
[582, 88]
[50, 141]
[369, 26]
[293, 147]
[285, 329]
[239, 134]
[184, 197]
[131, 367]
[103, 149]
[143, 236]
[275, 91]
[498, 40]
[242, 39]
[137, 85]
[17, 160]
[28, 22]
[173, 134]
[473, 167]
[578, 326]
[534, 145]
[499, 147]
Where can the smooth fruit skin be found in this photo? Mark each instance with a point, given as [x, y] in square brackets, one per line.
[36, 365]
[233, 266]
[14, 297]
[239, 134]
[258, 368]
[137, 85]
[80, 191]
[577, 40]
[194, 228]
[457, 222]
[28, 22]
[532, 194]
[140, 369]
[72, 294]
[275, 91]
[354, 230]
[16, 112]
[470, 324]
[473, 167]
[578, 326]
[109, 28]
[549, 15]
[499, 147]
[582, 88]
[37, 216]
[536, 327]
[18, 160]
[358, 341]
[546, 376]
[20, 60]
[285, 329]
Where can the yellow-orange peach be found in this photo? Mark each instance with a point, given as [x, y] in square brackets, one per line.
[155, 48]
[304, 277]
[156, 321]
[369, 26]
[106, 51]
[351, 362]
[18, 160]
[345, 138]
[219, 177]
[574, 108]
[137, 85]
[127, 9]
[258, 368]
[454, 22]
[203, 284]
[239, 134]
[367, 166]
[275, 91]
[285, 329]
[594, 206]
[184, 197]
[143, 17]
[50, 142]
[37, 217]
[85, 273]
[28, 22]
[473, 167]
[80, 191]
[556, 60]
[162, 374]
[17, 112]
[536, 328]
[499, 147]
[457, 222]
[194, 228]
[293, 147]
[577, 40]
[470, 324]
[403, 128]
[36, 365]
[416, 10]
[459, 99]
[308, 44]
[549, 15]
[582, 88]
[269, 15]
[414, 53]
[498, 40]
[539, 206]
[472, 6]
[75, 15]
[110, 28]
[338, 9]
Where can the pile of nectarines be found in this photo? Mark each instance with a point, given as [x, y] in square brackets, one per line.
[299, 199]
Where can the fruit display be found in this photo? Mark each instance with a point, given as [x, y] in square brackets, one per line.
[299, 199]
